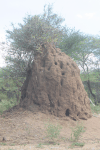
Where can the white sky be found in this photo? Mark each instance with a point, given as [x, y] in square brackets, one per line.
[84, 15]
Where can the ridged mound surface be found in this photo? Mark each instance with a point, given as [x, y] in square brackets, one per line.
[54, 85]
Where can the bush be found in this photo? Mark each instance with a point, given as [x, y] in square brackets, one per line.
[76, 132]
[52, 131]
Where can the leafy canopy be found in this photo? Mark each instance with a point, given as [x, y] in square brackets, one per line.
[26, 39]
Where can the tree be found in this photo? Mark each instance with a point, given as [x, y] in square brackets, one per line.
[9, 88]
[24, 43]
[70, 41]
[28, 38]
[88, 65]
[81, 48]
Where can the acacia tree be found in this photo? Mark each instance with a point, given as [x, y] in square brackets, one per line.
[9, 88]
[85, 59]
[81, 48]
[70, 41]
[27, 39]
[25, 42]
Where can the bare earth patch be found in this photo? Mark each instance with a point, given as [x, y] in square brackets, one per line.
[22, 129]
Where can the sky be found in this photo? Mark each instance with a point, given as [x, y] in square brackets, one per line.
[83, 15]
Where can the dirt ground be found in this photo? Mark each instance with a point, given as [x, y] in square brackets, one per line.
[22, 129]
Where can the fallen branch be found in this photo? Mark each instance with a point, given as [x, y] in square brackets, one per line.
[91, 102]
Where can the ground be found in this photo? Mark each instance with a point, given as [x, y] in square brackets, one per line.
[22, 129]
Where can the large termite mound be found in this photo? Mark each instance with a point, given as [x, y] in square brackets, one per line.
[54, 85]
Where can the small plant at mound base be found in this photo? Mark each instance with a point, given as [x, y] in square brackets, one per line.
[12, 144]
[95, 109]
[76, 144]
[2, 143]
[76, 133]
[39, 145]
[52, 131]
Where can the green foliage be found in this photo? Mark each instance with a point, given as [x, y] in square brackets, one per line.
[26, 40]
[83, 51]
[2, 143]
[5, 104]
[96, 44]
[6, 80]
[76, 144]
[9, 87]
[39, 145]
[95, 109]
[52, 131]
[93, 77]
[70, 42]
[76, 132]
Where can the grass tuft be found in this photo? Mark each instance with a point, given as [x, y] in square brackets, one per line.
[76, 134]
[52, 131]
[95, 109]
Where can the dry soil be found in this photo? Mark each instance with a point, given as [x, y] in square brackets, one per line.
[22, 129]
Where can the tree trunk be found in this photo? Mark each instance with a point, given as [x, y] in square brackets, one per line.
[94, 96]
[25, 85]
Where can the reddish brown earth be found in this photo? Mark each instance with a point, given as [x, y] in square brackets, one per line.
[24, 129]
[54, 85]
